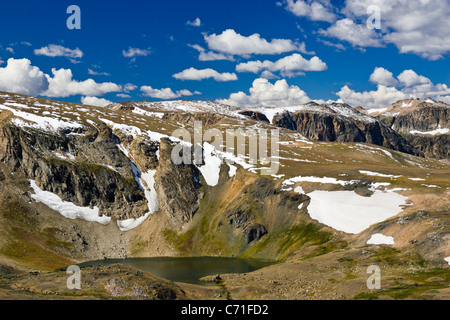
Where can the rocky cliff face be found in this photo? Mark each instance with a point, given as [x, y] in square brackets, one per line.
[255, 115]
[423, 123]
[69, 164]
[248, 215]
[178, 186]
[336, 122]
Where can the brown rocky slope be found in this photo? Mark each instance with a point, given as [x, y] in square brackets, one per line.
[102, 157]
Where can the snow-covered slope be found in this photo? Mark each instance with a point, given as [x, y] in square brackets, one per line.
[404, 106]
[182, 106]
[137, 130]
[336, 109]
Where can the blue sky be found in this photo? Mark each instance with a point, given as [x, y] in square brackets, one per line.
[287, 51]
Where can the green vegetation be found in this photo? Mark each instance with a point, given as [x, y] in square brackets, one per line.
[181, 242]
[402, 290]
[25, 242]
[291, 240]
[300, 235]
[421, 280]
[388, 255]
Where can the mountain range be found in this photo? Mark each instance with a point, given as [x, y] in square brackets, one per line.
[81, 183]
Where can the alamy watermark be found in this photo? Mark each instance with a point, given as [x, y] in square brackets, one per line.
[74, 281]
[374, 20]
[374, 281]
[74, 20]
[250, 146]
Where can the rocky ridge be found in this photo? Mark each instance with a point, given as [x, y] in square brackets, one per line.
[118, 159]
[334, 122]
[425, 124]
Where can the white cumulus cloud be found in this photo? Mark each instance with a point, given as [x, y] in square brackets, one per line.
[356, 34]
[407, 85]
[410, 78]
[165, 93]
[383, 77]
[383, 96]
[288, 66]
[129, 87]
[264, 93]
[314, 10]
[195, 74]
[94, 101]
[62, 85]
[20, 76]
[419, 27]
[210, 55]
[232, 43]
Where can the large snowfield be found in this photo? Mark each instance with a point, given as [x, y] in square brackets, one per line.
[351, 213]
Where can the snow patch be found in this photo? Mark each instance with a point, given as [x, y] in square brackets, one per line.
[232, 171]
[380, 110]
[211, 170]
[147, 183]
[148, 113]
[376, 185]
[379, 238]
[294, 180]
[191, 107]
[128, 130]
[135, 131]
[406, 105]
[40, 123]
[370, 173]
[299, 190]
[398, 189]
[67, 209]
[438, 131]
[130, 224]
